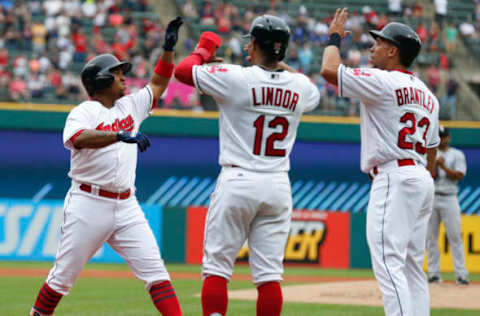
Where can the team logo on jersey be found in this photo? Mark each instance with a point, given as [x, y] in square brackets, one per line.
[216, 68]
[126, 124]
[360, 72]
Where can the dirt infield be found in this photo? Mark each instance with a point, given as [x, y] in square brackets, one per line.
[126, 274]
[320, 289]
[366, 292]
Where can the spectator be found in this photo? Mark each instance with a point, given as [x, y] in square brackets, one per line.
[189, 10]
[72, 85]
[39, 33]
[81, 42]
[433, 78]
[440, 11]
[89, 8]
[18, 89]
[20, 66]
[3, 57]
[52, 7]
[422, 32]
[206, 14]
[370, 16]
[35, 85]
[450, 99]
[417, 9]
[467, 29]
[451, 37]
[395, 7]
[434, 38]
[305, 58]
[5, 77]
[44, 62]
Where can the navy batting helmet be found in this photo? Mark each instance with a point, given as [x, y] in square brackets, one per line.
[404, 37]
[97, 75]
[443, 131]
[272, 34]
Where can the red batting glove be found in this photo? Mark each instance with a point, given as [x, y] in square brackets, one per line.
[207, 45]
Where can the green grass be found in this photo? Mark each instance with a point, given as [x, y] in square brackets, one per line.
[95, 297]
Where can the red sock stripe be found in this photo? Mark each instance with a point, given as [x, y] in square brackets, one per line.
[162, 293]
[47, 300]
[160, 286]
[51, 292]
[164, 298]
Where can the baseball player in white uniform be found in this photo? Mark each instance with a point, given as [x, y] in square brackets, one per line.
[451, 167]
[399, 136]
[260, 109]
[103, 135]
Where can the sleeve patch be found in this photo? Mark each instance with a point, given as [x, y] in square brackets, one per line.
[216, 68]
[361, 72]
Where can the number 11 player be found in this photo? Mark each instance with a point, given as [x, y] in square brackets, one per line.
[399, 136]
[260, 109]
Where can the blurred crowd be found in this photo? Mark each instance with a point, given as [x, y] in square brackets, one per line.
[46, 43]
[310, 35]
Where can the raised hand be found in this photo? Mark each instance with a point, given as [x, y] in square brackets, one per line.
[171, 33]
[338, 23]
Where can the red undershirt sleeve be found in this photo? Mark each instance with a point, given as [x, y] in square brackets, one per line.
[183, 72]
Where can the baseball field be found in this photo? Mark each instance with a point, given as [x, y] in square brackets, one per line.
[111, 289]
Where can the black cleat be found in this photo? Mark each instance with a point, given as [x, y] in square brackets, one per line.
[434, 279]
[462, 281]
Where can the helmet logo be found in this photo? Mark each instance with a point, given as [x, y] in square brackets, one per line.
[277, 47]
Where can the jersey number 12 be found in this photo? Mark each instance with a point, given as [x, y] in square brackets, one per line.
[270, 149]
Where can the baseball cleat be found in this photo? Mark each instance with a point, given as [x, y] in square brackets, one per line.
[33, 312]
[462, 281]
[434, 279]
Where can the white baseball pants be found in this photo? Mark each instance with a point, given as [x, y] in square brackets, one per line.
[401, 200]
[447, 210]
[253, 206]
[90, 221]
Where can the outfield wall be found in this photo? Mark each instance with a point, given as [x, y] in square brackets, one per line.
[30, 231]
[177, 174]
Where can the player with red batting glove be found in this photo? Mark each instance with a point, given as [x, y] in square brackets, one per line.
[103, 136]
[399, 137]
[260, 109]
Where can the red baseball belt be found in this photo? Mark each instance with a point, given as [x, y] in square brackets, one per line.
[104, 193]
[400, 162]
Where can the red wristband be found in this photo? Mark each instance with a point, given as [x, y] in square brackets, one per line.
[163, 69]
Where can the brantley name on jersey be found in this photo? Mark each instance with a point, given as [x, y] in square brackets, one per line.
[274, 96]
[412, 95]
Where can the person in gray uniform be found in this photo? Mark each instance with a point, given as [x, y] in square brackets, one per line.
[451, 167]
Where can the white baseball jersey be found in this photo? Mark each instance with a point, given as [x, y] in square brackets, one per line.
[260, 111]
[455, 160]
[111, 167]
[398, 114]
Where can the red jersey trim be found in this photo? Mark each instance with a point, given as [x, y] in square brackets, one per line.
[72, 139]
[404, 71]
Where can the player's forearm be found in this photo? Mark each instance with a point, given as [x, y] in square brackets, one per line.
[183, 72]
[162, 74]
[94, 139]
[453, 174]
[431, 161]
[330, 62]
[283, 65]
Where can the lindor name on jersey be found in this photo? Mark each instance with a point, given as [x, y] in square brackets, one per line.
[412, 95]
[274, 96]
